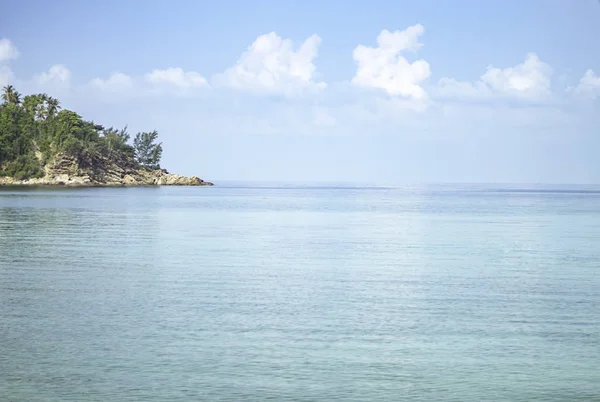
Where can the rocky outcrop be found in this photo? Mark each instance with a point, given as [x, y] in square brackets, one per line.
[66, 170]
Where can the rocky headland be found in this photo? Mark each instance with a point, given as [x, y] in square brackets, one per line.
[68, 170]
[42, 144]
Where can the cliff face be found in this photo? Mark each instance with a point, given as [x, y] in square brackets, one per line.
[101, 171]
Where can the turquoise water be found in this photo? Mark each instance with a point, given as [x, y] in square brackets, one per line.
[454, 293]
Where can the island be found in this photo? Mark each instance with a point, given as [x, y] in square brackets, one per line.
[43, 144]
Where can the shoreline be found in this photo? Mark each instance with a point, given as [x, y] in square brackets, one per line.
[168, 180]
[97, 185]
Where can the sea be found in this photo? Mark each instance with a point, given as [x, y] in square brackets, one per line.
[300, 292]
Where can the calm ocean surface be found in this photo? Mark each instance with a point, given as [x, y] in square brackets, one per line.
[300, 293]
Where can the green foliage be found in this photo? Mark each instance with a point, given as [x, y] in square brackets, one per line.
[41, 106]
[37, 123]
[116, 141]
[147, 152]
[23, 167]
[11, 96]
[15, 132]
[71, 146]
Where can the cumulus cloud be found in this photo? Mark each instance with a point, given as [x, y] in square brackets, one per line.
[528, 80]
[589, 85]
[176, 77]
[272, 65]
[532, 76]
[116, 83]
[57, 74]
[385, 67]
[8, 51]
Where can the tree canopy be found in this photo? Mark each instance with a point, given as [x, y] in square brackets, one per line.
[147, 152]
[34, 129]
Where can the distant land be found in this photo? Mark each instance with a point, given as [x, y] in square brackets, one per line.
[40, 144]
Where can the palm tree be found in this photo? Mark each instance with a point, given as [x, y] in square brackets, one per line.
[11, 95]
[41, 110]
[7, 94]
[53, 106]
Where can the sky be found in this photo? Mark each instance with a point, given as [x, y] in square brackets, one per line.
[384, 92]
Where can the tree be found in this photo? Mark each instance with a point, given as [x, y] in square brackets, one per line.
[116, 141]
[15, 135]
[53, 106]
[34, 105]
[34, 129]
[41, 106]
[11, 96]
[147, 152]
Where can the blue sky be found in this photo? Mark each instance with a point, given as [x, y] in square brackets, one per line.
[380, 91]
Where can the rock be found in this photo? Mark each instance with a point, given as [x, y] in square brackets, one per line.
[101, 171]
[128, 180]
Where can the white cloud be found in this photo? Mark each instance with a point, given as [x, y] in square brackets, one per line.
[532, 77]
[322, 117]
[528, 80]
[177, 77]
[57, 74]
[272, 65]
[8, 51]
[589, 84]
[384, 67]
[451, 88]
[116, 83]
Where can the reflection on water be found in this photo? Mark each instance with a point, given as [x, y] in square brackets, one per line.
[309, 293]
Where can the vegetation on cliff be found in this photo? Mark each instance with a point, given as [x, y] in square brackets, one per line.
[34, 131]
